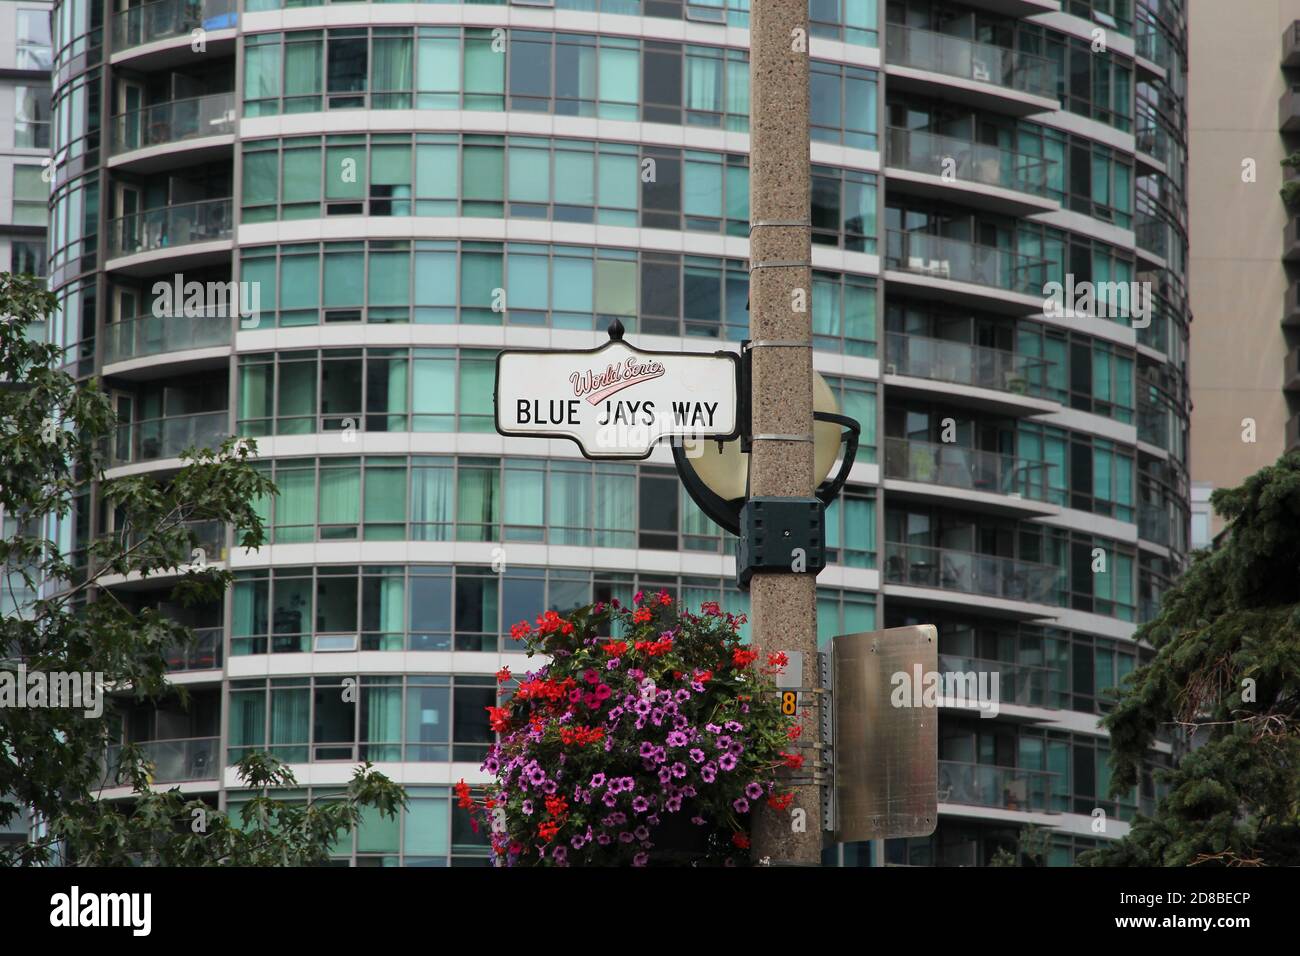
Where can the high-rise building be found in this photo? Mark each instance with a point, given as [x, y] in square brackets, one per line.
[24, 134]
[398, 191]
[1245, 239]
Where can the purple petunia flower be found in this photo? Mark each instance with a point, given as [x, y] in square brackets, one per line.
[673, 804]
[680, 722]
[677, 739]
[640, 859]
[736, 749]
[740, 805]
[727, 762]
[734, 727]
[642, 833]
[696, 754]
[549, 788]
[709, 772]
[642, 707]
[753, 791]
[713, 728]
[625, 837]
[560, 854]
[527, 808]
[697, 687]
[597, 781]
[698, 821]
[724, 742]
[665, 775]
[682, 695]
[640, 805]
[678, 769]
[653, 819]
[491, 765]
[609, 799]
[611, 664]
[647, 749]
[604, 839]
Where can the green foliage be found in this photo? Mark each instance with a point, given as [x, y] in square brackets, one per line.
[1227, 674]
[1032, 844]
[53, 435]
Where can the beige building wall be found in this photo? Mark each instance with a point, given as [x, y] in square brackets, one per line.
[1237, 279]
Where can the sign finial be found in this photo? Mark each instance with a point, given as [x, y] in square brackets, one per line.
[616, 331]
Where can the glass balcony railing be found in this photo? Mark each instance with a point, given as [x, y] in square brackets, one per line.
[971, 469]
[156, 438]
[961, 364]
[969, 573]
[1154, 523]
[984, 785]
[156, 335]
[965, 161]
[175, 761]
[167, 226]
[1152, 234]
[938, 257]
[205, 652]
[164, 19]
[970, 60]
[1025, 684]
[174, 122]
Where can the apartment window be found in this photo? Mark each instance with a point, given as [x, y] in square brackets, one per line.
[32, 117]
[31, 197]
[27, 257]
[33, 47]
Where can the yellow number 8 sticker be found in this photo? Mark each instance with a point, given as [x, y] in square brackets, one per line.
[789, 703]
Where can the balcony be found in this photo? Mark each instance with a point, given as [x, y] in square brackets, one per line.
[1152, 52]
[983, 481]
[992, 380]
[1024, 685]
[987, 177]
[1005, 788]
[1151, 145]
[1291, 239]
[161, 438]
[175, 761]
[149, 335]
[1288, 110]
[1016, 8]
[140, 32]
[187, 234]
[967, 273]
[205, 124]
[1152, 236]
[1293, 433]
[1291, 45]
[963, 572]
[1153, 524]
[205, 653]
[980, 75]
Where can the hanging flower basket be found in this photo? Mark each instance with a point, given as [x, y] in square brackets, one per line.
[648, 748]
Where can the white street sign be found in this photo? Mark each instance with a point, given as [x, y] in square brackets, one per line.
[617, 401]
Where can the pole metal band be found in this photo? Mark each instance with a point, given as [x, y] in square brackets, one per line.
[779, 222]
[780, 344]
[782, 264]
[779, 437]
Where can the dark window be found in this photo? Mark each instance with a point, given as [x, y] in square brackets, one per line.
[662, 83]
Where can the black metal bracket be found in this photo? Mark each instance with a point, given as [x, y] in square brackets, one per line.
[781, 536]
[726, 514]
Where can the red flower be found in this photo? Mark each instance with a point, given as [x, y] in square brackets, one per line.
[711, 608]
[557, 806]
[743, 658]
[780, 804]
[503, 675]
[704, 676]
[463, 799]
[521, 630]
[590, 676]
[778, 659]
[793, 761]
[499, 718]
[547, 831]
[641, 615]
[664, 599]
[740, 840]
[615, 648]
[795, 732]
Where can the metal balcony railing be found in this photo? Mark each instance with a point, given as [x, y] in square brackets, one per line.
[203, 654]
[1027, 685]
[174, 122]
[175, 761]
[964, 161]
[939, 257]
[167, 226]
[961, 364]
[1006, 788]
[156, 438]
[970, 469]
[969, 573]
[164, 19]
[147, 335]
[970, 60]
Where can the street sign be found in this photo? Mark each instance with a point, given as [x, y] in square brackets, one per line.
[617, 401]
[886, 745]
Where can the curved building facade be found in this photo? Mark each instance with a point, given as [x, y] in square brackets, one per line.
[394, 192]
